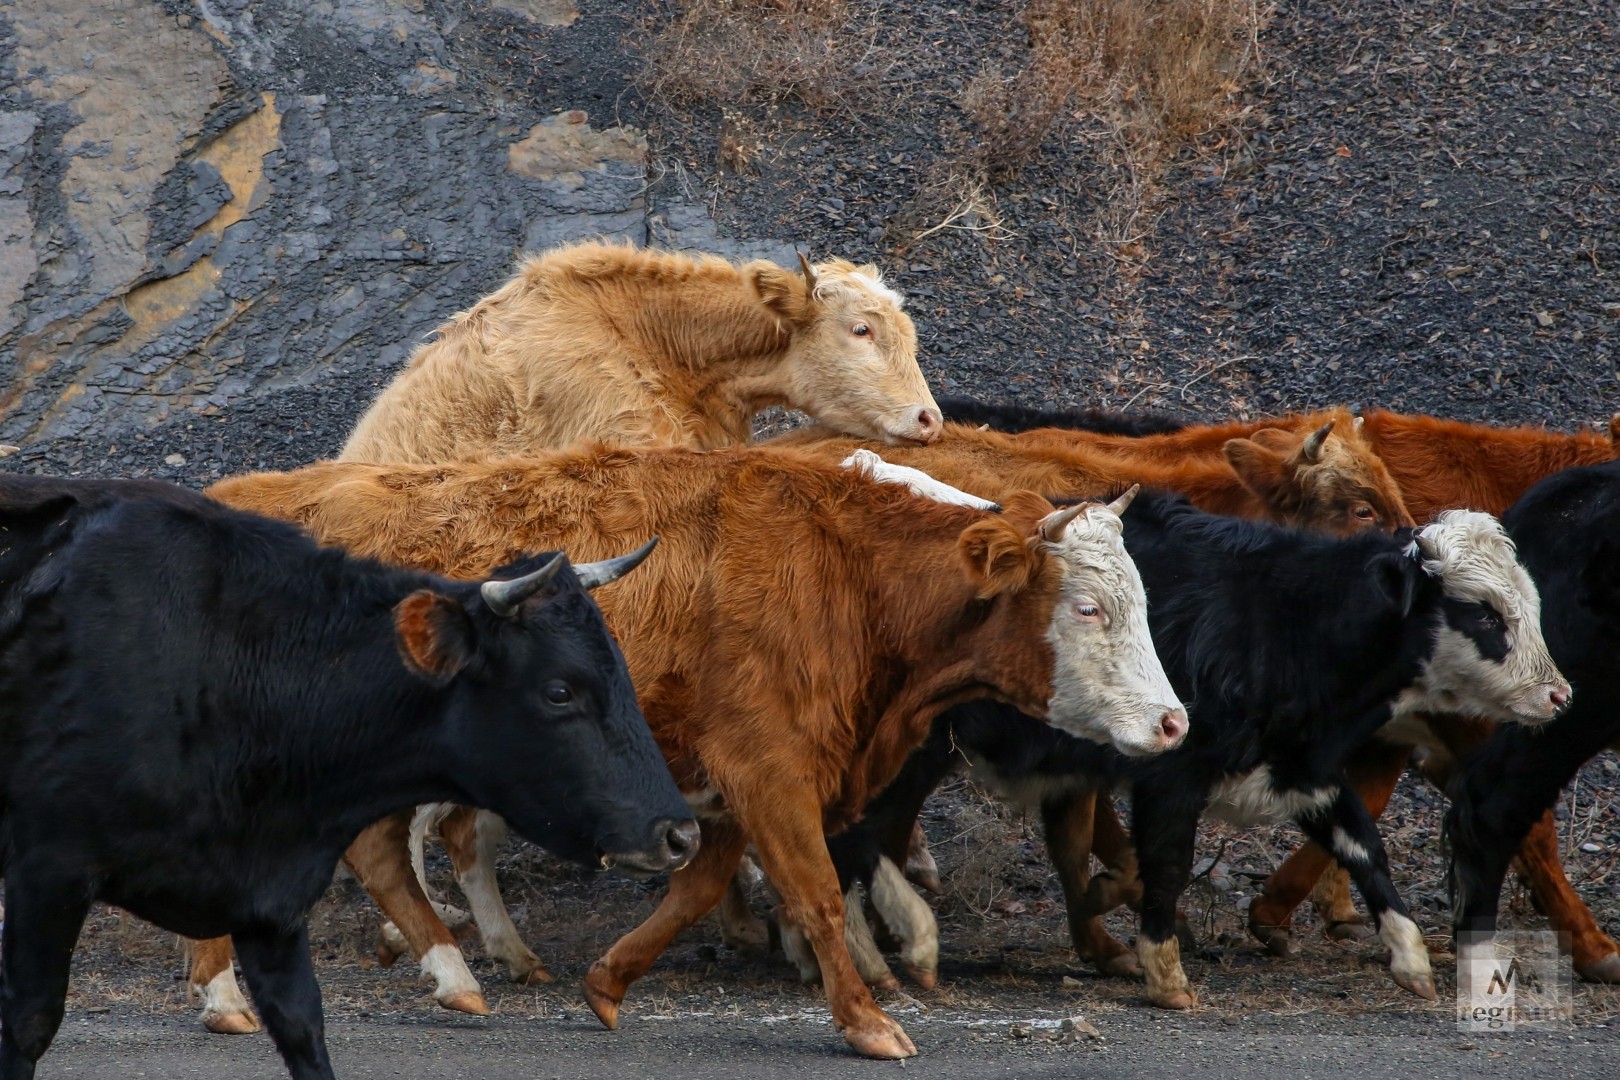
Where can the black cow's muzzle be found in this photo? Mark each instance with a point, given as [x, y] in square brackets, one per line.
[675, 844]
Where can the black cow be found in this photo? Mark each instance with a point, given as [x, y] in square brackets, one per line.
[1011, 418]
[1291, 649]
[200, 709]
[1567, 529]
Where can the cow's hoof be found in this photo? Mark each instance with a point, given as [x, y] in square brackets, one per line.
[888, 1040]
[1605, 969]
[231, 1023]
[887, 982]
[925, 977]
[924, 879]
[386, 954]
[1278, 940]
[600, 997]
[1122, 966]
[1174, 999]
[535, 976]
[1348, 930]
[1419, 983]
[465, 1001]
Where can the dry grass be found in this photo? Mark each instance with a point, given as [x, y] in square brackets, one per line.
[728, 51]
[1157, 74]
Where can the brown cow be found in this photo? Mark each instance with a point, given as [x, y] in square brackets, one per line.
[603, 341]
[1438, 465]
[792, 638]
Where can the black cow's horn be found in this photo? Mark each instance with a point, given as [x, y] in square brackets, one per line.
[600, 573]
[505, 597]
[1311, 451]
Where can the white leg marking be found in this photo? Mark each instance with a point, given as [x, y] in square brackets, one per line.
[1348, 849]
[909, 916]
[796, 947]
[1161, 965]
[859, 941]
[220, 996]
[501, 938]
[447, 968]
[1408, 956]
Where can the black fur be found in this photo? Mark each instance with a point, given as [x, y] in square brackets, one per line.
[1011, 418]
[1567, 529]
[200, 709]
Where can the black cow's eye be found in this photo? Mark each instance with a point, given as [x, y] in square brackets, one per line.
[558, 693]
[1487, 617]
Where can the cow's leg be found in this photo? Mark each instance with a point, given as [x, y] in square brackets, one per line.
[786, 826]
[473, 838]
[1374, 773]
[380, 858]
[213, 980]
[921, 869]
[1348, 831]
[1166, 827]
[1596, 955]
[282, 980]
[36, 952]
[740, 928]
[1068, 822]
[694, 890]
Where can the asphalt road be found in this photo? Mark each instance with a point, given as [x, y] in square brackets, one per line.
[955, 1044]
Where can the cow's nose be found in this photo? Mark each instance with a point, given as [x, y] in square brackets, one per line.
[1559, 696]
[1172, 727]
[930, 422]
[681, 840]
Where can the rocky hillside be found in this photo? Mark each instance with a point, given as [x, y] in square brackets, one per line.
[226, 223]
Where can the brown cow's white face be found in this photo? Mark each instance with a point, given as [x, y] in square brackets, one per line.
[1107, 682]
[852, 363]
[1489, 656]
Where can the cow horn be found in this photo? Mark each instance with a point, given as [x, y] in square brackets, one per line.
[809, 271]
[1360, 420]
[505, 597]
[1053, 524]
[1118, 505]
[1311, 451]
[600, 573]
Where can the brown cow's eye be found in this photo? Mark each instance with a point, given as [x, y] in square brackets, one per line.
[558, 693]
[860, 329]
[1365, 513]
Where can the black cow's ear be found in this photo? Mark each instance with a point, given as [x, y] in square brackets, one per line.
[434, 634]
[1397, 577]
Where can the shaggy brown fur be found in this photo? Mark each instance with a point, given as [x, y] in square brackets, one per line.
[1262, 473]
[603, 341]
[792, 637]
[1436, 464]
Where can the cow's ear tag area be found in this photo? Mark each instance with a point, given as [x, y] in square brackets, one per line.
[998, 556]
[1397, 576]
[434, 635]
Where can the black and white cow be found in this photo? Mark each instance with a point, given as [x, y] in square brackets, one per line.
[200, 709]
[1567, 529]
[1291, 649]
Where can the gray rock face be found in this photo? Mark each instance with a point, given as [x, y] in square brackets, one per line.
[204, 205]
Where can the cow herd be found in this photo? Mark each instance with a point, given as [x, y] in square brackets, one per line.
[550, 583]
